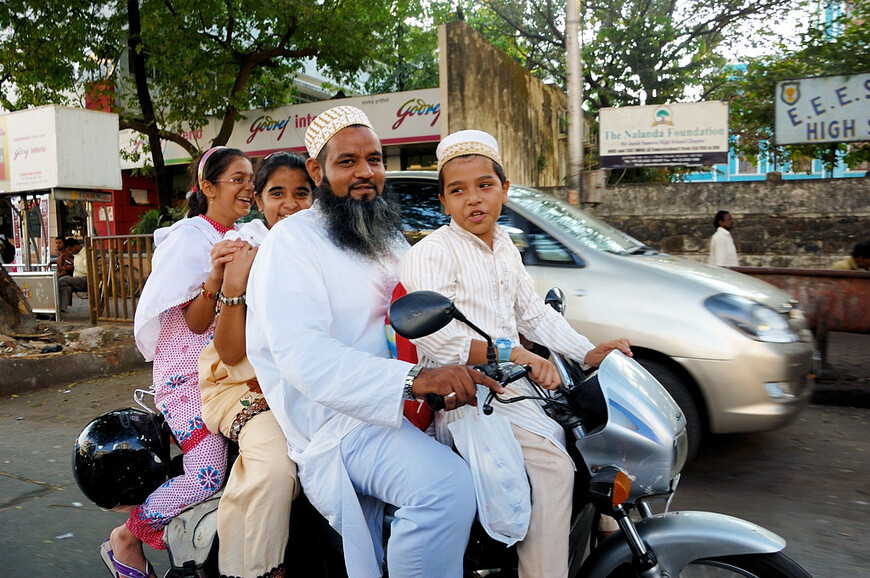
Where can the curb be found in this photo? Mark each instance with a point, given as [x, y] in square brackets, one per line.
[26, 374]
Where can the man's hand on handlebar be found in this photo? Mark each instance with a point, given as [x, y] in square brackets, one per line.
[456, 383]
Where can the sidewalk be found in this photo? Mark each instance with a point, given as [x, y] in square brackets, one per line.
[109, 349]
[85, 352]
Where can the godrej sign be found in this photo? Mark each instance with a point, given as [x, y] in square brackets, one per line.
[398, 118]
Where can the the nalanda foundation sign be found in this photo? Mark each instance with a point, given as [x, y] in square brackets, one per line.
[677, 134]
[829, 109]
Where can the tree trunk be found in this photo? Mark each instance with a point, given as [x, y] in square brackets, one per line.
[138, 56]
[16, 317]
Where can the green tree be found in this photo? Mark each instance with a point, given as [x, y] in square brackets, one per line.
[191, 60]
[751, 90]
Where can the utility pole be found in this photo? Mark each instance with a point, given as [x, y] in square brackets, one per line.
[575, 99]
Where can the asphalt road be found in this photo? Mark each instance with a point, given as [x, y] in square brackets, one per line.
[809, 482]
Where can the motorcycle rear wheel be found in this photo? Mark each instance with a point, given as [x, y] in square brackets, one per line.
[776, 565]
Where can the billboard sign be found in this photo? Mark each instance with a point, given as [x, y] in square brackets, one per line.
[56, 146]
[398, 118]
[677, 134]
[829, 109]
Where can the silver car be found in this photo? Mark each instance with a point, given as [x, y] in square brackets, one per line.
[734, 352]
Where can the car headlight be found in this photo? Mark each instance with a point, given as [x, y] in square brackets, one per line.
[752, 318]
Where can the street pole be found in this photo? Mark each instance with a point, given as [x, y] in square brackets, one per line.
[575, 99]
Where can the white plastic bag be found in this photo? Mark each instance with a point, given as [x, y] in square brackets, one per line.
[501, 485]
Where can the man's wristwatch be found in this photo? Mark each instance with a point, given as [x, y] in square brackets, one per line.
[409, 381]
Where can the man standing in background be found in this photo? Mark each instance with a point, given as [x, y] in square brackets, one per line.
[722, 250]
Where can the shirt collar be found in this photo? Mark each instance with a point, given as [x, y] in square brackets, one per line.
[217, 226]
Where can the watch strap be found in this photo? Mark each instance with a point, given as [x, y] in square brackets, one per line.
[409, 381]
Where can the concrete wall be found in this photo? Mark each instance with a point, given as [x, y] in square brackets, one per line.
[796, 224]
[486, 90]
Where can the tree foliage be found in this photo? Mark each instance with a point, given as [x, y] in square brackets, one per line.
[634, 51]
[821, 52]
[203, 58]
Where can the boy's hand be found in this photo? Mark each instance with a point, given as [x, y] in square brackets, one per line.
[542, 371]
[457, 383]
[597, 355]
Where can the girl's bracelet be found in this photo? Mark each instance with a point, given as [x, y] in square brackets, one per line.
[212, 295]
[231, 300]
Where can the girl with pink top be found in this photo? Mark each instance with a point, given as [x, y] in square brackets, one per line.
[174, 322]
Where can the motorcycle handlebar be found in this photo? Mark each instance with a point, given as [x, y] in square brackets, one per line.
[504, 373]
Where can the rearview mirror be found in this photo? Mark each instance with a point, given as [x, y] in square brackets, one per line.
[556, 299]
[421, 313]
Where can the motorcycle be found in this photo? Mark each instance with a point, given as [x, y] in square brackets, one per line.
[628, 440]
[625, 434]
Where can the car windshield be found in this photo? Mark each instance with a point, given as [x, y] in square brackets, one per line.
[577, 224]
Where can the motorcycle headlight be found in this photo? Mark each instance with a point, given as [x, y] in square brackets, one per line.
[752, 318]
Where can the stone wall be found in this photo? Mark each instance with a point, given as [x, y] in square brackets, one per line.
[485, 89]
[795, 224]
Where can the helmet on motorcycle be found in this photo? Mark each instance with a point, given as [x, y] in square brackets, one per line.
[121, 457]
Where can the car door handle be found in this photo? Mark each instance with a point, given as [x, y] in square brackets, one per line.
[579, 292]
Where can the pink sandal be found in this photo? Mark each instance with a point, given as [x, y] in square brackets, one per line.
[121, 570]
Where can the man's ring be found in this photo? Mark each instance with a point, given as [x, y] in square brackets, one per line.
[451, 394]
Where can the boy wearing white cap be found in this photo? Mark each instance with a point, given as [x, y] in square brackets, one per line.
[317, 296]
[473, 262]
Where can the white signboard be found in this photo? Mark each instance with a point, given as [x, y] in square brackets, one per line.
[398, 118]
[678, 134]
[55, 146]
[831, 109]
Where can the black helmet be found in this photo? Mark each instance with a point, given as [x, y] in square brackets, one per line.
[121, 457]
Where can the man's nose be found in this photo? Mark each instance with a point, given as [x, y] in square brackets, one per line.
[365, 171]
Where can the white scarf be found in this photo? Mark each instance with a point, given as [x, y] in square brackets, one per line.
[181, 263]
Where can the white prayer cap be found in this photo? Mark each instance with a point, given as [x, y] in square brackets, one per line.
[467, 142]
[327, 123]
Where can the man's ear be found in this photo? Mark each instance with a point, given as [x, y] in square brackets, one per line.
[315, 171]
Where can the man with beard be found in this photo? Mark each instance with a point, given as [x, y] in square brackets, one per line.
[317, 297]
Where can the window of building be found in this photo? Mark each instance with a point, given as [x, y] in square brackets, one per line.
[747, 166]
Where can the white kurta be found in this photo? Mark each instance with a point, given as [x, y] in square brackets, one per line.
[317, 341]
[722, 250]
[493, 290]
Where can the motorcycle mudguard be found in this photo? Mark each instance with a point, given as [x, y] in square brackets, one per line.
[678, 538]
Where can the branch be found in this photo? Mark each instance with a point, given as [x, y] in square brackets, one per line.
[140, 126]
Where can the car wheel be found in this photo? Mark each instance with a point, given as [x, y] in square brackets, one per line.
[681, 394]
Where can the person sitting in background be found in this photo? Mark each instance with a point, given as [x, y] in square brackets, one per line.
[860, 259]
[77, 279]
[65, 257]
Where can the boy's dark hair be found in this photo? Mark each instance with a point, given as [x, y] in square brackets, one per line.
[499, 172]
[861, 250]
[719, 218]
[71, 242]
[215, 165]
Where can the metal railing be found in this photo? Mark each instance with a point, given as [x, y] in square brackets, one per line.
[117, 269]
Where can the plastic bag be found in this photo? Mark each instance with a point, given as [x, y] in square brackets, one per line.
[501, 485]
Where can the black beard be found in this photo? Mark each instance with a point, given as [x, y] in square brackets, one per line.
[365, 226]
